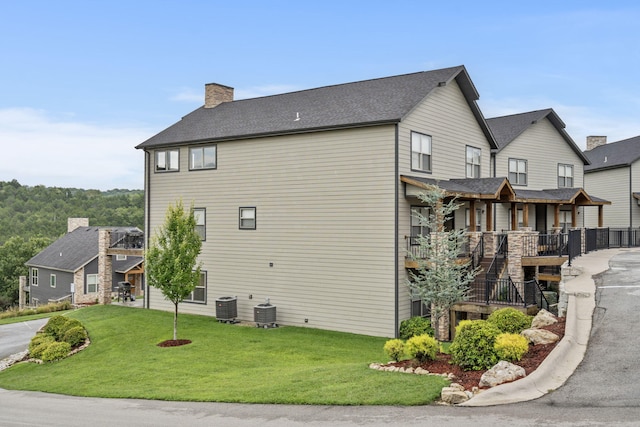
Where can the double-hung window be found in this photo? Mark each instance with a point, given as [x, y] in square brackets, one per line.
[248, 218]
[420, 152]
[518, 171]
[202, 157]
[199, 294]
[92, 283]
[167, 160]
[34, 277]
[473, 162]
[200, 216]
[565, 176]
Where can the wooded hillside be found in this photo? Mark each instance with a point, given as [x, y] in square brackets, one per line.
[31, 218]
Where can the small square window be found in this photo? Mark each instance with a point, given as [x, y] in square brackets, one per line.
[167, 160]
[202, 157]
[120, 257]
[248, 218]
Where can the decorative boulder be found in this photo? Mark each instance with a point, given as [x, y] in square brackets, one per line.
[453, 394]
[539, 336]
[543, 318]
[502, 372]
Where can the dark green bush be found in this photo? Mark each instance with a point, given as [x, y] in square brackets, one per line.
[56, 351]
[509, 320]
[473, 347]
[415, 326]
[75, 336]
[422, 348]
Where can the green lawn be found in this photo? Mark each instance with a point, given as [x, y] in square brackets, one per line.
[224, 363]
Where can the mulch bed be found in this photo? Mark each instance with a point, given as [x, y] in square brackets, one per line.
[470, 379]
[173, 343]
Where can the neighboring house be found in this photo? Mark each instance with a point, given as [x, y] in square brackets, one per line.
[69, 267]
[614, 173]
[545, 167]
[308, 198]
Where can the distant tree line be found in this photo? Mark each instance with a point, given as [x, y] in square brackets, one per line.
[31, 218]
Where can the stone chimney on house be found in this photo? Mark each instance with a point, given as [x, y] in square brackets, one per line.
[73, 223]
[595, 141]
[215, 94]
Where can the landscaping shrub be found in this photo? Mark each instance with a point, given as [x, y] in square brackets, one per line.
[415, 326]
[509, 320]
[56, 351]
[473, 346]
[55, 326]
[511, 347]
[39, 344]
[75, 336]
[394, 349]
[422, 348]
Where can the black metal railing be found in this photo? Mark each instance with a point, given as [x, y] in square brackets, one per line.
[533, 294]
[477, 254]
[495, 268]
[127, 240]
[417, 247]
[496, 292]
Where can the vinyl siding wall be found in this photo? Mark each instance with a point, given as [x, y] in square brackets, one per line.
[325, 221]
[543, 148]
[446, 116]
[611, 185]
[44, 292]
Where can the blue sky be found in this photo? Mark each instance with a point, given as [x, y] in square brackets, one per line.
[83, 82]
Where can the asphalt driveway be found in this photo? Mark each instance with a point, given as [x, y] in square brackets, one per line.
[15, 337]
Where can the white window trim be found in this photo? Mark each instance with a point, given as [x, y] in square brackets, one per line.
[89, 291]
[36, 276]
[564, 176]
[190, 299]
[200, 216]
[53, 281]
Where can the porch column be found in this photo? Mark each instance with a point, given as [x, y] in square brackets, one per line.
[489, 209]
[556, 216]
[525, 214]
[574, 216]
[472, 215]
[601, 216]
[514, 217]
[104, 267]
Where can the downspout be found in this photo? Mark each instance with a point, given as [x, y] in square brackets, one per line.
[396, 239]
[147, 227]
[630, 196]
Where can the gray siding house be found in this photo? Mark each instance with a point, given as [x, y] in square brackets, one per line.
[68, 268]
[614, 173]
[308, 198]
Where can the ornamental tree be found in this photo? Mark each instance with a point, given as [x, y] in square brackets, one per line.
[171, 259]
[442, 279]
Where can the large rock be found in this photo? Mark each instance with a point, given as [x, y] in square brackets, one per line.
[453, 394]
[543, 318]
[539, 336]
[502, 372]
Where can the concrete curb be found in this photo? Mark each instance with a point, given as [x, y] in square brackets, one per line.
[554, 371]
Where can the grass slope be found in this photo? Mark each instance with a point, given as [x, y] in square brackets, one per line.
[224, 363]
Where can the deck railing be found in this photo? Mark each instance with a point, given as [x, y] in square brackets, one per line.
[127, 240]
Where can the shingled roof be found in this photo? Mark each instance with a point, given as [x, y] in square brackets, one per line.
[506, 129]
[365, 103]
[613, 155]
[74, 250]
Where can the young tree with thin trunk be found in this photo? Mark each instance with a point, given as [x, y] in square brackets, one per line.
[442, 279]
[171, 260]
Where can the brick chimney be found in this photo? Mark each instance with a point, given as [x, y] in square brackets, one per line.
[595, 141]
[215, 94]
[73, 223]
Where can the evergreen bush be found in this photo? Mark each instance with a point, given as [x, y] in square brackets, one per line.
[75, 336]
[509, 320]
[473, 347]
[422, 348]
[415, 326]
[55, 326]
[511, 347]
[56, 351]
[39, 344]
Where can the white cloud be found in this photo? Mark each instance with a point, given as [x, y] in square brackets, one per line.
[40, 149]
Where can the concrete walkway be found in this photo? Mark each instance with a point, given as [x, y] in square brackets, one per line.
[570, 351]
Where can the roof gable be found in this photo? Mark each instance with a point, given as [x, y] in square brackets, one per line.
[613, 155]
[73, 250]
[363, 103]
[506, 129]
